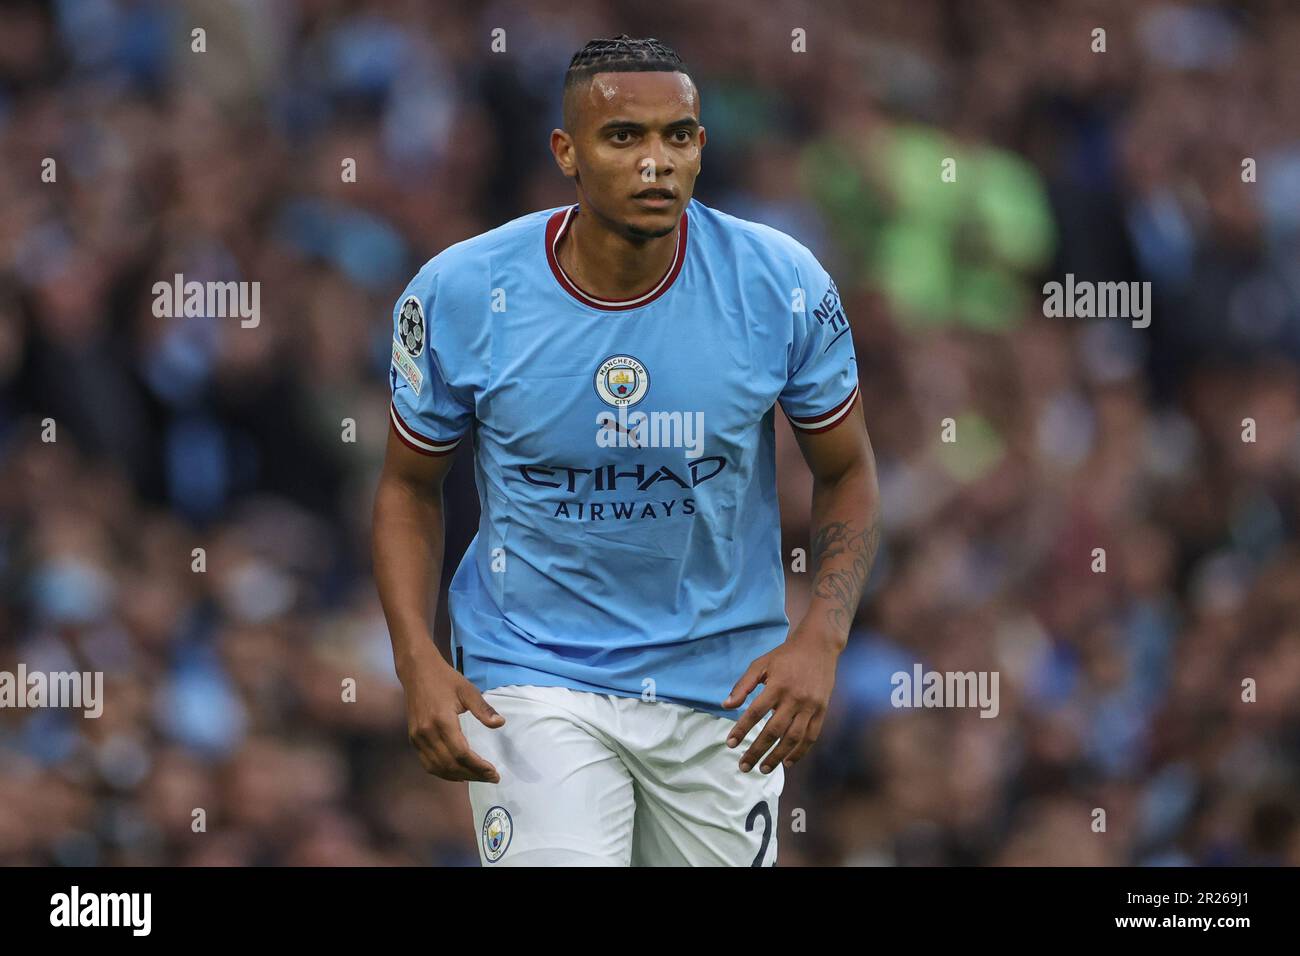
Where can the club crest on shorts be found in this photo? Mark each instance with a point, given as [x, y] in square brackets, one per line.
[497, 830]
[410, 326]
[622, 381]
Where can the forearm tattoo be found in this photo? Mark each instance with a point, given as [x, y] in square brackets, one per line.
[843, 584]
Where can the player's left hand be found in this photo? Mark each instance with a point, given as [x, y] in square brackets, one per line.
[797, 680]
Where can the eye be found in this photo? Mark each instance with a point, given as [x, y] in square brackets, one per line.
[682, 136]
[622, 133]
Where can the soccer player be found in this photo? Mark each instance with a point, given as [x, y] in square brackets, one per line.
[625, 687]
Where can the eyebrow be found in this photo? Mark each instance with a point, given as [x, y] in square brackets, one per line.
[689, 122]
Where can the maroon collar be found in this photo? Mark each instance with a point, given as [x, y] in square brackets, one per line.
[558, 225]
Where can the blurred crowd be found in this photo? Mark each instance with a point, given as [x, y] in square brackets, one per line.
[1120, 690]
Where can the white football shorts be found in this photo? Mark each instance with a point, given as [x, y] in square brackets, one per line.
[599, 780]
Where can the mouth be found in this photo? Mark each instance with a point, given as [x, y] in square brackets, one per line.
[656, 198]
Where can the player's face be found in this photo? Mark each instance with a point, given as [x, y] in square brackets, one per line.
[636, 150]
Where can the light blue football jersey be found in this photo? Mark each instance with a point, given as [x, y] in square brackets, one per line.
[630, 539]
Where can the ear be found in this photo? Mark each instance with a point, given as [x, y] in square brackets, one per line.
[562, 150]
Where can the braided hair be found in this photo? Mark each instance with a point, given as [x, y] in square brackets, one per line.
[622, 54]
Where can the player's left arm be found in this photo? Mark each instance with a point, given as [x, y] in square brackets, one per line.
[845, 519]
[798, 676]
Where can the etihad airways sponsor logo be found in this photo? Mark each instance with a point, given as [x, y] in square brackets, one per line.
[612, 479]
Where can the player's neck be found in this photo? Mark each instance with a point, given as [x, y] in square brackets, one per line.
[608, 265]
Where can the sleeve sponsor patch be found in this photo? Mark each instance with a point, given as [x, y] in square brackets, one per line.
[407, 367]
[410, 326]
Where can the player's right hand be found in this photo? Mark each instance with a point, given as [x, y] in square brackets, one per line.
[436, 695]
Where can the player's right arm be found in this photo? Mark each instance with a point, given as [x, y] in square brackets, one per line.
[427, 419]
[407, 549]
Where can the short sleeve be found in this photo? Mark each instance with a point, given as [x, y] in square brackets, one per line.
[426, 413]
[822, 373]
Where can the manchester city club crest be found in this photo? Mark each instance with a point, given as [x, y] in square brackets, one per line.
[497, 830]
[410, 326]
[622, 381]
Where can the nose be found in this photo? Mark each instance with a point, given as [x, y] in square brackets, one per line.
[659, 158]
